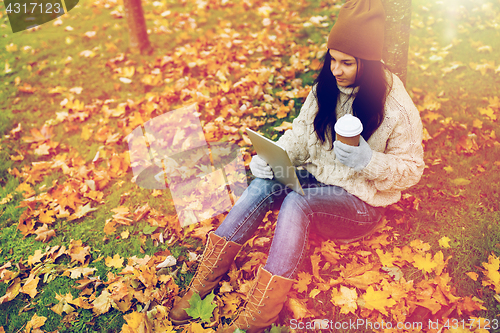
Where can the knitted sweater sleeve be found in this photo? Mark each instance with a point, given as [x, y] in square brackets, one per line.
[401, 164]
[295, 140]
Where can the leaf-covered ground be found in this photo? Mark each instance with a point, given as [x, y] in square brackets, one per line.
[83, 248]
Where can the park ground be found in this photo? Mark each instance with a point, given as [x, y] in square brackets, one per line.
[84, 249]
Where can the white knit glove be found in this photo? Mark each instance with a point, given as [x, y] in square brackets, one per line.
[260, 168]
[353, 157]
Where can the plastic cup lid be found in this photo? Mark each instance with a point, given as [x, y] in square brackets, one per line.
[348, 126]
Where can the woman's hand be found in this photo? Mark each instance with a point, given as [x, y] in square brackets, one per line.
[354, 157]
[260, 168]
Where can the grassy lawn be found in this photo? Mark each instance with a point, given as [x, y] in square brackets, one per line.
[75, 228]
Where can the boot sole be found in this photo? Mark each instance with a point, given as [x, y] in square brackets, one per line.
[181, 322]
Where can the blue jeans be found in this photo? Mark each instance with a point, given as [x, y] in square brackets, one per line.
[328, 210]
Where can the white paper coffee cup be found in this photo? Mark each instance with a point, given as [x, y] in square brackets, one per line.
[348, 129]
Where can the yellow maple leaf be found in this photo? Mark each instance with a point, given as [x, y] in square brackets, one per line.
[63, 305]
[102, 304]
[77, 251]
[36, 257]
[81, 211]
[492, 273]
[136, 322]
[197, 328]
[484, 67]
[44, 234]
[12, 291]
[298, 308]
[345, 298]
[303, 282]
[231, 304]
[444, 242]
[86, 132]
[47, 216]
[440, 263]
[30, 286]
[11, 47]
[35, 322]
[424, 263]
[364, 280]
[125, 234]
[488, 112]
[472, 275]
[315, 292]
[378, 300]
[284, 126]
[75, 273]
[81, 302]
[420, 246]
[116, 261]
[430, 304]
[225, 287]
[386, 259]
[477, 123]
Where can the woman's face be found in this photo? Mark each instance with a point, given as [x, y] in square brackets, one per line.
[344, 67]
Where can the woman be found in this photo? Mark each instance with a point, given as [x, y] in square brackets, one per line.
[346, 187]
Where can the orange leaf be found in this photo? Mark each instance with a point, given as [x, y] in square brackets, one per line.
[46, 216]
[136, 322]
[303, 283]
[298, 308]
[472, 275]
[77, 251]
[365, 280]
[425, 264]
[378, 300]
[315, 259]
[36, 257]
[345, 298]
[420, 246]
[430, 304]
[44, 234]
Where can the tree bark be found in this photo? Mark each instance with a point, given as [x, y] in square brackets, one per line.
[397, 36]
[138, 35]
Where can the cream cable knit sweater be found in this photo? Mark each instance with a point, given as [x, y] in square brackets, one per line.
[397, 162]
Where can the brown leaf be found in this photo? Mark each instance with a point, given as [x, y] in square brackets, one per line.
[365, 280]
[31, 285]
[63, 305]
[201, 232]
[102, 304]
[77, 251]
[12, 291]
[35, 322]
[36, 257]
[44, 234]
[298, 308]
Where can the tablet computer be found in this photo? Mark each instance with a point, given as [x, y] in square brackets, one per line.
[278, 159]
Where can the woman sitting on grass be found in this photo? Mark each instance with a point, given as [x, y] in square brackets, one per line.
[346, 187]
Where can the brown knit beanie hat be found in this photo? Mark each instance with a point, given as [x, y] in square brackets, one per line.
[359, 30]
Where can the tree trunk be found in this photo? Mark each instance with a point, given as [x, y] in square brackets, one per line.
[138, 35]
[397, 36]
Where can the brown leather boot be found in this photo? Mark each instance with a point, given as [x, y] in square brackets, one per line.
[216, 259]
[263, 305]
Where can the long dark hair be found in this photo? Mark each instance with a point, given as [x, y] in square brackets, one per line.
[368, 105]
